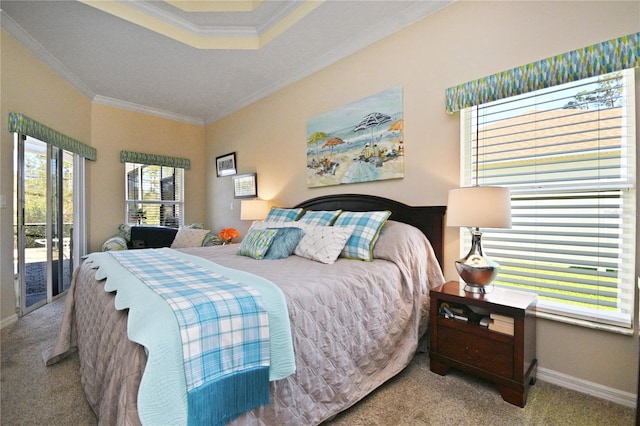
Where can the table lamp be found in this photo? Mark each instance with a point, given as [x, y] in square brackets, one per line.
[478, 207]
[253, 209]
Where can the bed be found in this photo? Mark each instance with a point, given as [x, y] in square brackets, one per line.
[354, 324]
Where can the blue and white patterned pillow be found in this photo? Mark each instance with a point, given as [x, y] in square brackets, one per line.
[363, 239]
[320, 217]
[278, 214]
[257, 242]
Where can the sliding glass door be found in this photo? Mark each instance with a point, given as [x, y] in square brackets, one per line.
[62, 201]
[44, 224]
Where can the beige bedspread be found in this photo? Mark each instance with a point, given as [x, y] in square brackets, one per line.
[354, 325]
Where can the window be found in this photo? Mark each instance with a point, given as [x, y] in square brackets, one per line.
[567, 153]
[154, 194]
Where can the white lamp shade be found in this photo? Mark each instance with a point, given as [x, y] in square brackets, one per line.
[479, 206]
[253, 209]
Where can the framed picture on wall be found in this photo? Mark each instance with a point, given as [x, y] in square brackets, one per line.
[226, 165]
[358, 142]
[245, 186]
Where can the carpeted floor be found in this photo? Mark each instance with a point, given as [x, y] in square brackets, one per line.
[32, 394]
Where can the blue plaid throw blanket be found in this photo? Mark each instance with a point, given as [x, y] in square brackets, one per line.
[224, 331]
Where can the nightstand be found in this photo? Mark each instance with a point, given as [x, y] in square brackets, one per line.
[508, 360]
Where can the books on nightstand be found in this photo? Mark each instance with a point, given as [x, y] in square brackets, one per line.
[501, 324]
[462, 312]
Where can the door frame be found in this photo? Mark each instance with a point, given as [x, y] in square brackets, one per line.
[77, 246]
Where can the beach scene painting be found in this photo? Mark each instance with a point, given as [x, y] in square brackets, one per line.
[359, 142]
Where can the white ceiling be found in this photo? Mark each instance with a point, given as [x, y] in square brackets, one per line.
[155, 57]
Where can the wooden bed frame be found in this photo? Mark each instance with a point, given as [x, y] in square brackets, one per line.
[429, 219]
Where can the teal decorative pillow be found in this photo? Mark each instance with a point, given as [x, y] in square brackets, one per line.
[257, 242]
[284, 243]
[323, 243]
[367, 227]
[320, 217]
[277, 214]
[114, 243]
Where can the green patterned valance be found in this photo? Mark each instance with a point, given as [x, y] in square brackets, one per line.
[602, 58]
[158, 160]
[20, 123]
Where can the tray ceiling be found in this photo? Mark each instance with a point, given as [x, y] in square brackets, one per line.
[197, 61]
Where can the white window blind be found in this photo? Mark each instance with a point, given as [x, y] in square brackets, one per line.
[568, 155]
[154, 195]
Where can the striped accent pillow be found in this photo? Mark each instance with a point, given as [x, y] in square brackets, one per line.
[364, 237]
[257, 242]
[277, 214]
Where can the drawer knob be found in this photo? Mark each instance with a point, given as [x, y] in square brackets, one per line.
[471, 355]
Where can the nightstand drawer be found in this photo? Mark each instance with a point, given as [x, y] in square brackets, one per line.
[480, 352]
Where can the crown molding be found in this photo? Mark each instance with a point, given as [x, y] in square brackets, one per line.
[153, 18]
[17, 32]
[282, 13]
[197, 30]
[216, 5]
[378, 32]
[130, 106]
[221, 30]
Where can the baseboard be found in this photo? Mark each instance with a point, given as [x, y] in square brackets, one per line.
[8, 321]
[590, 388]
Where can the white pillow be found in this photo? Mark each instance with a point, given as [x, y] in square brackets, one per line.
[323, 243]
[189, 237]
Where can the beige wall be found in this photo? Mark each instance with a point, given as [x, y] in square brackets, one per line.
[31, 88]
[462, 42]
[114, 130]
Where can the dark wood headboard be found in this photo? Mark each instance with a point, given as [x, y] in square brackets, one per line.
[429, 219]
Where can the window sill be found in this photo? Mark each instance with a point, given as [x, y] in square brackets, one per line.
[585, 323]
